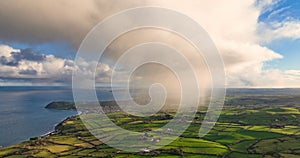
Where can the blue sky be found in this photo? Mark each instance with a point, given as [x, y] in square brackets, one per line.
[284, 10]
[290, 49]
[60, 49]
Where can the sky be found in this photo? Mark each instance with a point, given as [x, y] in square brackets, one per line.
[259, 40]
[282, 11]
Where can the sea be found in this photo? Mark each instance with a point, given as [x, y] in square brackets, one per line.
[23, 114]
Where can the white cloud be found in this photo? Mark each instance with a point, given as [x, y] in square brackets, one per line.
[49, 70]
[278, 30]
[267, 5]
[6, 50]
[234, 28]
[280, 78]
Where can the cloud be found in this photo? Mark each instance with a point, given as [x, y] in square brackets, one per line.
[40, 68]
[36, 22]
[267, 5]
[16, 56]
[28, 72]
[280, 20]
[233, 26]
[28, 54]
[278, 30]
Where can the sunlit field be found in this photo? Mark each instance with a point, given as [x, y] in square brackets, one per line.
[253, 129]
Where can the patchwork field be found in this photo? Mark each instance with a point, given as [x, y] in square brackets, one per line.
[256, 129]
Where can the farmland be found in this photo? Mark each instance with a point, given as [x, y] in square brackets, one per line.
[254, 129]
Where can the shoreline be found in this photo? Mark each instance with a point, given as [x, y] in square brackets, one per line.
[55, 125]
[53, 131]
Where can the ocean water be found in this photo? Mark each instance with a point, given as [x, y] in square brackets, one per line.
[22, 112]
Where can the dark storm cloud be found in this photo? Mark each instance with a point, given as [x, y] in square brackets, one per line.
[35, 22]
[32, 21]
[5, 61]
[28, 54]
[28, 72]
[24, 54]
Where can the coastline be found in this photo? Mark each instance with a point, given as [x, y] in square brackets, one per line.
[55, 125]
[51, 132]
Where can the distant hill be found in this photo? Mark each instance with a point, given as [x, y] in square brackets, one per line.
[107, 106]
[61, 105]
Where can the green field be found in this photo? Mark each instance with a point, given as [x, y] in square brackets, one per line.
[257, 129]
